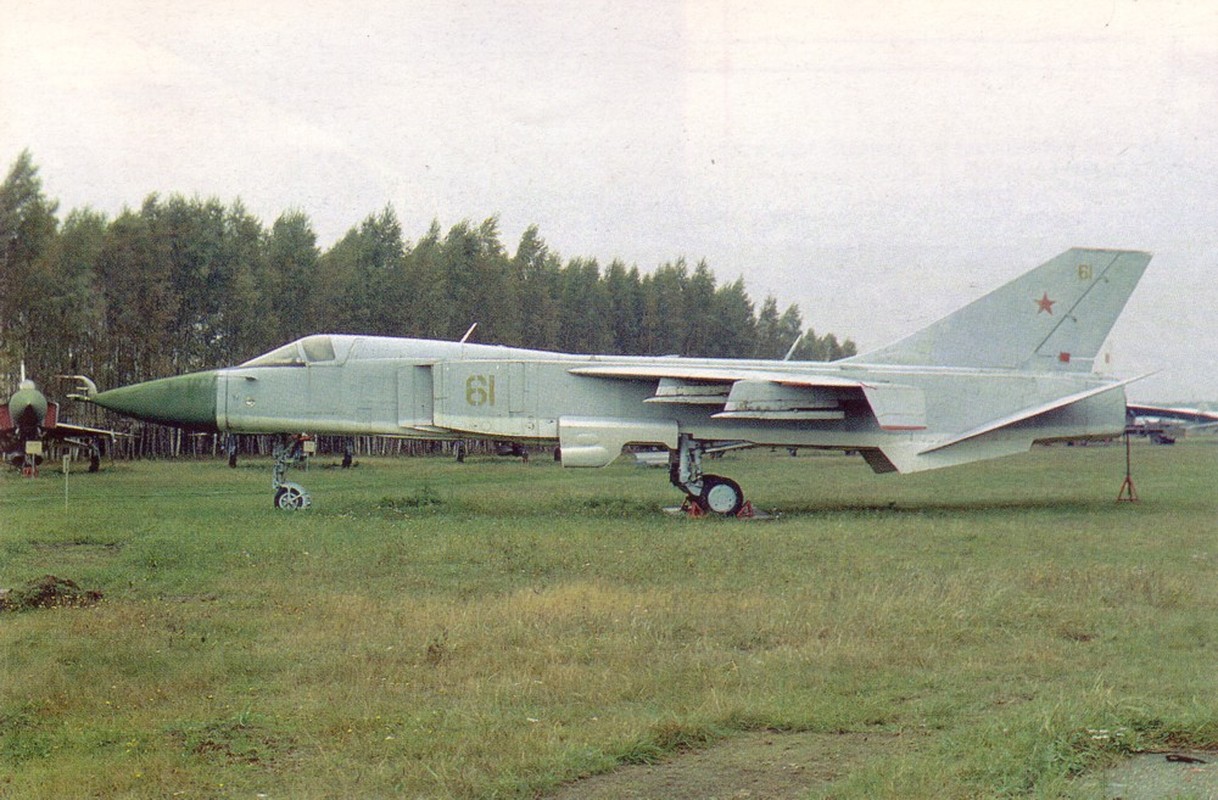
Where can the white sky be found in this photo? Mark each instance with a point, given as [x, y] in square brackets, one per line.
[880, 164]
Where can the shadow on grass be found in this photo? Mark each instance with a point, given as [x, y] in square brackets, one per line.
[950, 507]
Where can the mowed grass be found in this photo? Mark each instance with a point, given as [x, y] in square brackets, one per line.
[495, 629]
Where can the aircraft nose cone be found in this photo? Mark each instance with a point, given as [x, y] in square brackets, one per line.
[185, 401]
[29, 408]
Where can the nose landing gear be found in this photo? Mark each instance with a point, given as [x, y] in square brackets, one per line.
[289, 496]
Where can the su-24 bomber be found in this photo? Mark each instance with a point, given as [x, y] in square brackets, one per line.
[1011, 369]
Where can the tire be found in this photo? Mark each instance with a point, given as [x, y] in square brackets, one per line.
[291, 497]
[721, 496]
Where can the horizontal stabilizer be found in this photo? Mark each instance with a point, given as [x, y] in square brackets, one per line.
[1028, 413]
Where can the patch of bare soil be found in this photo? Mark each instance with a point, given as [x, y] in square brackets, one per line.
[753, 766]
[1150, 776]
[48, 592]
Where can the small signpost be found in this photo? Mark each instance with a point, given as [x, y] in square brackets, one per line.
[67, 461]
[33, 454]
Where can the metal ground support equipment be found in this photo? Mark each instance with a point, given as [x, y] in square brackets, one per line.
[1128, 493]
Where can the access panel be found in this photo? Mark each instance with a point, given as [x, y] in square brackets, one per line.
[491, 398]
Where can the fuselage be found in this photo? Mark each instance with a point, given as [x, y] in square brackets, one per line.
[362, 385]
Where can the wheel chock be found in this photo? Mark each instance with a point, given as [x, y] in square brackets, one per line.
[692, 509]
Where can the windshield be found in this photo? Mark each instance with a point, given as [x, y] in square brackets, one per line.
[308, 350]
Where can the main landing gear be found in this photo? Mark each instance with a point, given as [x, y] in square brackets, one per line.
[704, 494]
[289, 496]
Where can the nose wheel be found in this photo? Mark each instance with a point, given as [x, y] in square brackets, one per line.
[292, 497]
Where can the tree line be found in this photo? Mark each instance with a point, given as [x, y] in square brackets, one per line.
[182, 284]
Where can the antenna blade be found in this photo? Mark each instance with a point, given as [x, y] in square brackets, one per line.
[794, 344]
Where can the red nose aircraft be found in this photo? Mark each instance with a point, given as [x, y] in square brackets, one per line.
[29, 422]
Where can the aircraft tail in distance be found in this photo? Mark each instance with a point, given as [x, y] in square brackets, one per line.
[1054, 318]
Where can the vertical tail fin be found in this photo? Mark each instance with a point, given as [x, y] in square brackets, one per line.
[1055, 317]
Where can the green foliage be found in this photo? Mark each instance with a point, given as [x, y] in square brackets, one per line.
[243, 739]
[184, 284]
[666, 739]
[425, 497]
[28, 231]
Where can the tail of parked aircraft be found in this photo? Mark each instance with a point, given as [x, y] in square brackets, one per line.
[1055, 317]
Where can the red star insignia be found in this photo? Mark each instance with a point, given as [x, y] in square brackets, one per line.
[1045, 304]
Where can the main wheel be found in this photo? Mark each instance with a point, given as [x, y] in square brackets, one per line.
[721, 495]
[292, 497]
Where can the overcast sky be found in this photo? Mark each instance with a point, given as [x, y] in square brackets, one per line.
[878, 164]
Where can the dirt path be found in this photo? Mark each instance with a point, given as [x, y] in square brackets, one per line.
[1154, 775]
[756, 766]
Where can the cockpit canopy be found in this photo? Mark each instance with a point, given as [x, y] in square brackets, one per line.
[309, 350]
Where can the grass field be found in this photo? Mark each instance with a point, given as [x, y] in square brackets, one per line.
[497, 629]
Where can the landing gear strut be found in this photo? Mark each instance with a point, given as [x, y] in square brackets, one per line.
[289, 496]
[704, 494]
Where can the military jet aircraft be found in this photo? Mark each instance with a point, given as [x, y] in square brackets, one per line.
[1192, 416]
[29, 421]
[1166, 424]
[1011, 369]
